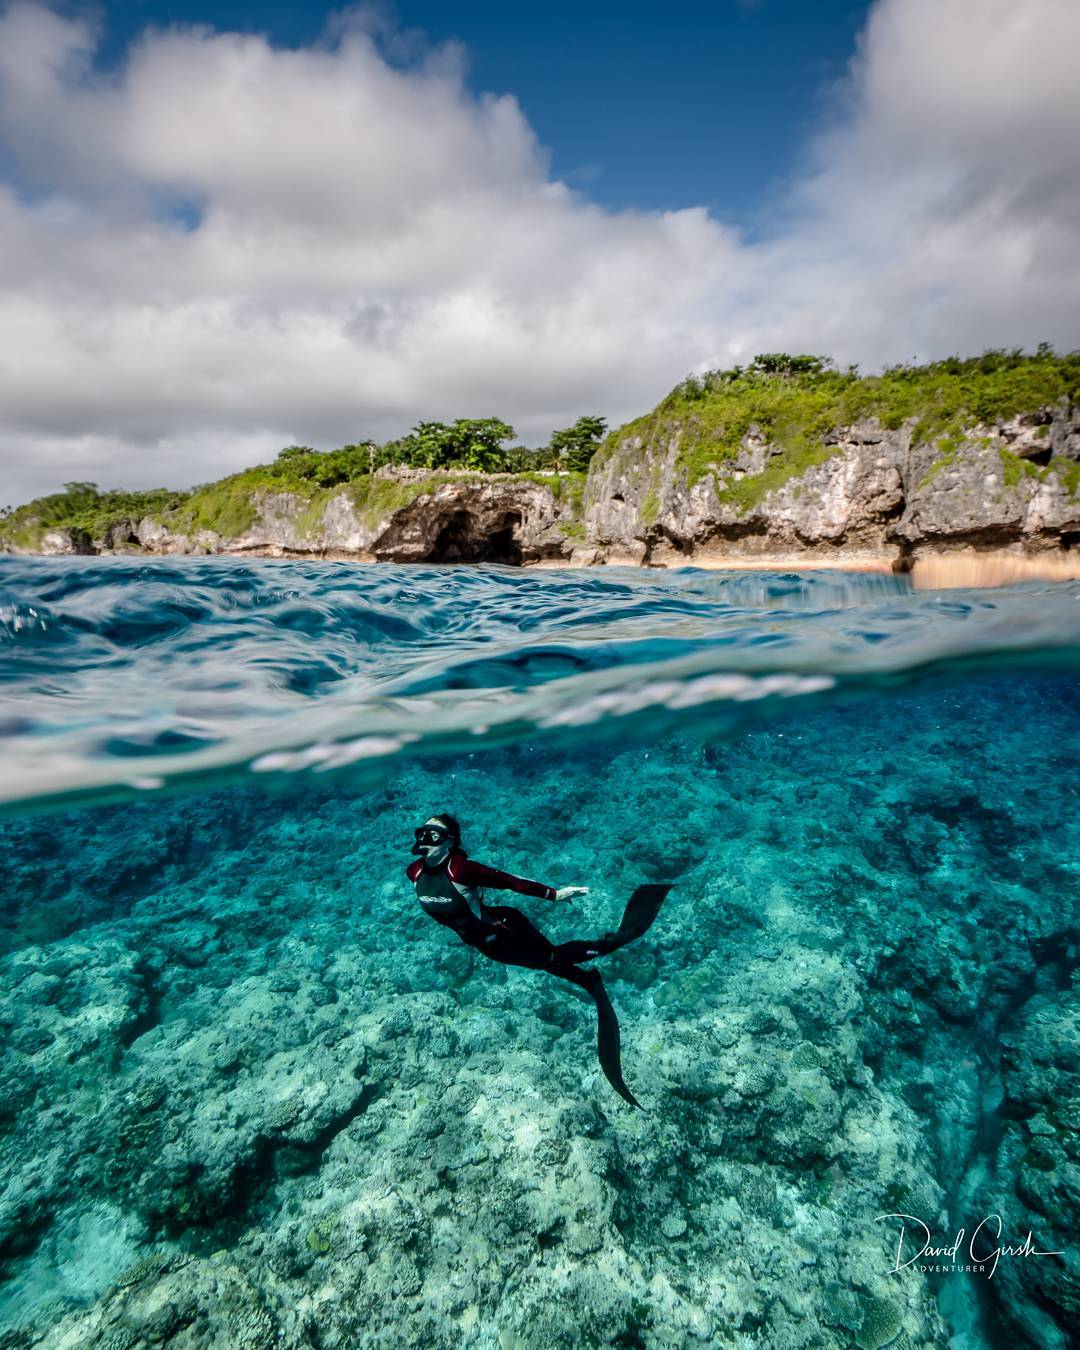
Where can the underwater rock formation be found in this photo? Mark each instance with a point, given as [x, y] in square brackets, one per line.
[1033, 1174]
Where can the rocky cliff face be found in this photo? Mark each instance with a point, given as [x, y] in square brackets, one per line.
[873, 493]
[866, 494]
[457, 518]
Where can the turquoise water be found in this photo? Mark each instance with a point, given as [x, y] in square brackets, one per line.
[251, 1095]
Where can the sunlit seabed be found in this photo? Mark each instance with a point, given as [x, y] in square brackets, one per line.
[252, 1095]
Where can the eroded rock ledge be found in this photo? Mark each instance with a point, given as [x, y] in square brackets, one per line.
[462, 517]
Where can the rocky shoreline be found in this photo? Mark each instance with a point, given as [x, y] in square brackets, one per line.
[879, 497]
[687, 485]
[940, 571]
[868, 497]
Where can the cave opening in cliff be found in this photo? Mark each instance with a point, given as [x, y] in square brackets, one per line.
[464, 539]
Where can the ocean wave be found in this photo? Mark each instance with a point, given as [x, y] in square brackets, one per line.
[121, 677]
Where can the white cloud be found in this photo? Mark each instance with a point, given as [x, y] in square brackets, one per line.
[368, 244]
[943, 211]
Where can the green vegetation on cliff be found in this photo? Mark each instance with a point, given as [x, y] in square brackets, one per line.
[797, 402]
[230, 506]
[82, 510]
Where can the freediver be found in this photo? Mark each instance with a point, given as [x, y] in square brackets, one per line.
[449, 886]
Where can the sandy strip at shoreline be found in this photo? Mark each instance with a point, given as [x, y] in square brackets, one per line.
[944, 571]
[940, 571]
[993, 569]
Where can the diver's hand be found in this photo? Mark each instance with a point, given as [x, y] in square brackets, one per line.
[566, 893]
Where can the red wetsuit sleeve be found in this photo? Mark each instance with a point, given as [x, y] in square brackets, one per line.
[476, 874]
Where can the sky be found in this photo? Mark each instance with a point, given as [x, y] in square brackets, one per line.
[628, 98]
[225, 228]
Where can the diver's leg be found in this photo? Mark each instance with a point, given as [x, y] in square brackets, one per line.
[514, 941]
[506, 935]
[512, 920]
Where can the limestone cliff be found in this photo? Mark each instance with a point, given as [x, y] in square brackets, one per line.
[418, 517]
[789, 461]
[873, 493]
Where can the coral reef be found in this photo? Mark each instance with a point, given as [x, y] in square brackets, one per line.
[251, 1096]
[1033, 1174]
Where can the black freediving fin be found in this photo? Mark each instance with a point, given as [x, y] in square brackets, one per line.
[641, 910]
[608, 1041]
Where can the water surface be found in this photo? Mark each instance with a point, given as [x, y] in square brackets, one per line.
[250, 1094]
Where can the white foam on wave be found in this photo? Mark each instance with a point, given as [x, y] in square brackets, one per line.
[143, 677]
[677, 694]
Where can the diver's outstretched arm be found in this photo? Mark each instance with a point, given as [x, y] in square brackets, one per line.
[568, 892]
[471, 873]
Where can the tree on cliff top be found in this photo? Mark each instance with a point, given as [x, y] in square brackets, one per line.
[573, 447]
[468, 443]
[330, 468]
[781, 363]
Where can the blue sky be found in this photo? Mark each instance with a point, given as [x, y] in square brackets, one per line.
[289, 225]
[641, 104]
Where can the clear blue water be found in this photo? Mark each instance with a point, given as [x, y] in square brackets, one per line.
[251, 1094]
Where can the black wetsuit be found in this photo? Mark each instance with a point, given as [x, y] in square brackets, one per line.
[451, 894]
